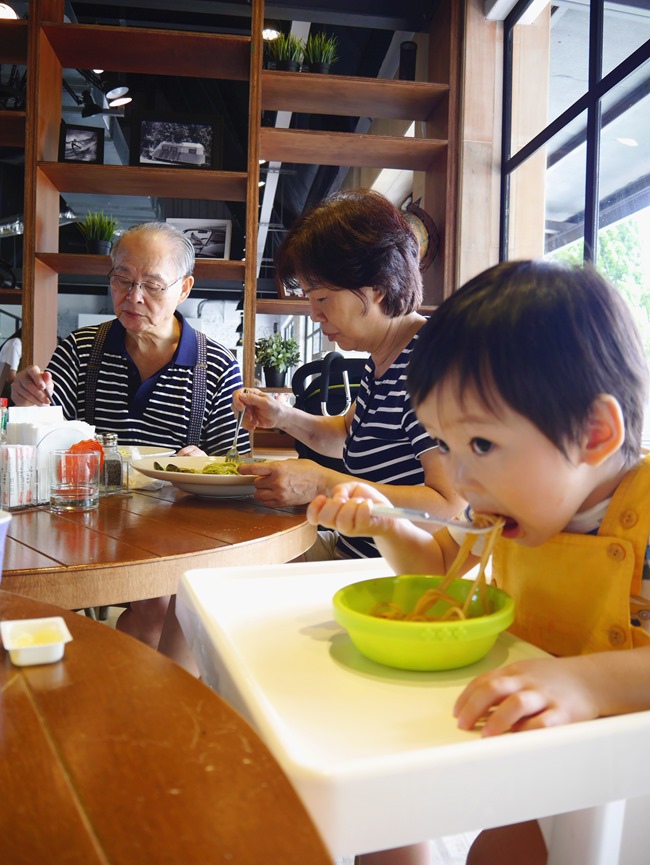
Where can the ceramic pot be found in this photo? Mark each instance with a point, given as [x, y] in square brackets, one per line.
[274, 377]
[288, 66]
[320, 68]
[99, 247]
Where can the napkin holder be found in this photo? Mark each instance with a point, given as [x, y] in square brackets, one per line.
[44, 428]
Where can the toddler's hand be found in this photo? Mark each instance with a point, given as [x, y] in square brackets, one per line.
[528, 695]
[349, 510]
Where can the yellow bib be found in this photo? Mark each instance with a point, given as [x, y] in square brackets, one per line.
[572, 594]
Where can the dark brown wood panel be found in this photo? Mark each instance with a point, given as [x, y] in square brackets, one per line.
[13, 41]
[341, 148]
[12, 128]
[99, 265]
[137, 180]
[135, 49]
[347, 96]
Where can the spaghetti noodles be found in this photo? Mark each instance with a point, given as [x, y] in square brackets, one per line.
[455, 608]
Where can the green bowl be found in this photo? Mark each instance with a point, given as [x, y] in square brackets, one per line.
[420, 645]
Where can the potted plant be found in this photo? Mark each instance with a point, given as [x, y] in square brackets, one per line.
[287, 52]
[321, 50]
[276, 354]
[99, 230]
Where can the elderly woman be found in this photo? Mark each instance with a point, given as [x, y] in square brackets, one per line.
[158, 381]
[356, 259]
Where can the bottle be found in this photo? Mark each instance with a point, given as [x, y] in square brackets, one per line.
[4, 416]
[111, 480]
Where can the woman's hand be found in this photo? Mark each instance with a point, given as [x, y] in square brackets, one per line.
[528, 695]
[282, 483]
[261, 410]
[349, 510]
[32, 387]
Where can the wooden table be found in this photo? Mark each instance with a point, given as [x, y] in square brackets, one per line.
[116, 756]
[137, 546]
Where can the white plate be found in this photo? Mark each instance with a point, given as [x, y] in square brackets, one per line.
[135, 452]
[207, 486]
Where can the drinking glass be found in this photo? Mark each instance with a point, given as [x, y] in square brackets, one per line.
[74, 481]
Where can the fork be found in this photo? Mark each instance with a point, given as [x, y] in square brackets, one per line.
[424, 517]
[233, 454]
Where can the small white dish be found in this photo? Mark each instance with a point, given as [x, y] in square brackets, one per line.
[35, 641]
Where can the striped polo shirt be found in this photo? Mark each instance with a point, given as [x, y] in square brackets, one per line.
[385, 441]
[155, 411]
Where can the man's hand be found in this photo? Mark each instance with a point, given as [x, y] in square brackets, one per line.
[32, 387]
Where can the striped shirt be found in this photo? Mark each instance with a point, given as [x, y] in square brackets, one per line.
[385, 440]
[155, 411]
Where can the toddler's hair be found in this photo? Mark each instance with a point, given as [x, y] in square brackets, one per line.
[545, 338]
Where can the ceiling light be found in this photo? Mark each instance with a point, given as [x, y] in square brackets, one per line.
[117, 92]
[262, 161]
[121, 100]
[261, 183]
[7, 12]
[628, 142]
[98, 71]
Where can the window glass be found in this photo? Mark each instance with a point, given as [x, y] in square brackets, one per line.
[547, 196]
[550, 62]
[626, 26]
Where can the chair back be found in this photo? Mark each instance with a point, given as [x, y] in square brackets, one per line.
[326, 387]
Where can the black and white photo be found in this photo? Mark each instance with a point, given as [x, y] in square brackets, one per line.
[81, 144]
[179, 142]
[210, 237]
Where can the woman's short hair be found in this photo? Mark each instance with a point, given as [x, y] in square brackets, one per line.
[182, 245]
[354, 240]
[544, 337]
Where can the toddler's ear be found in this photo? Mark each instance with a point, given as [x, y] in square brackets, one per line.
[605, 431]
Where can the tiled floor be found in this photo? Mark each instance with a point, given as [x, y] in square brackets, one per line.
[451, 850]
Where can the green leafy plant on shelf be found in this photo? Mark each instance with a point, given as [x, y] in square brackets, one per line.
[286, 47]
[98, 226]
[321, 48]
[277, 352]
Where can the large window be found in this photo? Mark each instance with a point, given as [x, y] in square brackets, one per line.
[576, 139]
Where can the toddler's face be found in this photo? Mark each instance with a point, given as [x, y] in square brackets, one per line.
[502, 464]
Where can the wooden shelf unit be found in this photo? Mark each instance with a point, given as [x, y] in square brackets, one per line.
[432, 104]
[53, 45]
[60, 45]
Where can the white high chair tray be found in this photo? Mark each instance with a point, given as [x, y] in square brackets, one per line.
[375, 752]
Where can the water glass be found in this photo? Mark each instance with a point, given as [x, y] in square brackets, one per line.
[74, 481]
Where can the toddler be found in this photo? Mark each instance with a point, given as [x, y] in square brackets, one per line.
[533, 381]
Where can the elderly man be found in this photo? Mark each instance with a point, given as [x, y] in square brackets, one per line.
[146, 375]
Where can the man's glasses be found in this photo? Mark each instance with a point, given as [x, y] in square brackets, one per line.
[126, 286]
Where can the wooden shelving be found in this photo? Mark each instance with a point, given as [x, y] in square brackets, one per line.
[350, 97]
[349, 148]
[154, 52]
[12, 128]
[139, 180]
[99, 265]
[54, 45]
[13, 41]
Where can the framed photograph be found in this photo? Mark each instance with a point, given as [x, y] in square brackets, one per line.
[287, 293]
[81, 144]
[178, 142]
[210, 237]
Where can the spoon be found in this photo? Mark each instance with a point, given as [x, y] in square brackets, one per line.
[233, 454]
[424, 517]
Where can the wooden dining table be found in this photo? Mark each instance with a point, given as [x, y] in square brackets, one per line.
[116, 756]
[137, 545]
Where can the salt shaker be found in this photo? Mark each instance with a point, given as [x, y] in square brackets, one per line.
[111, 479]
